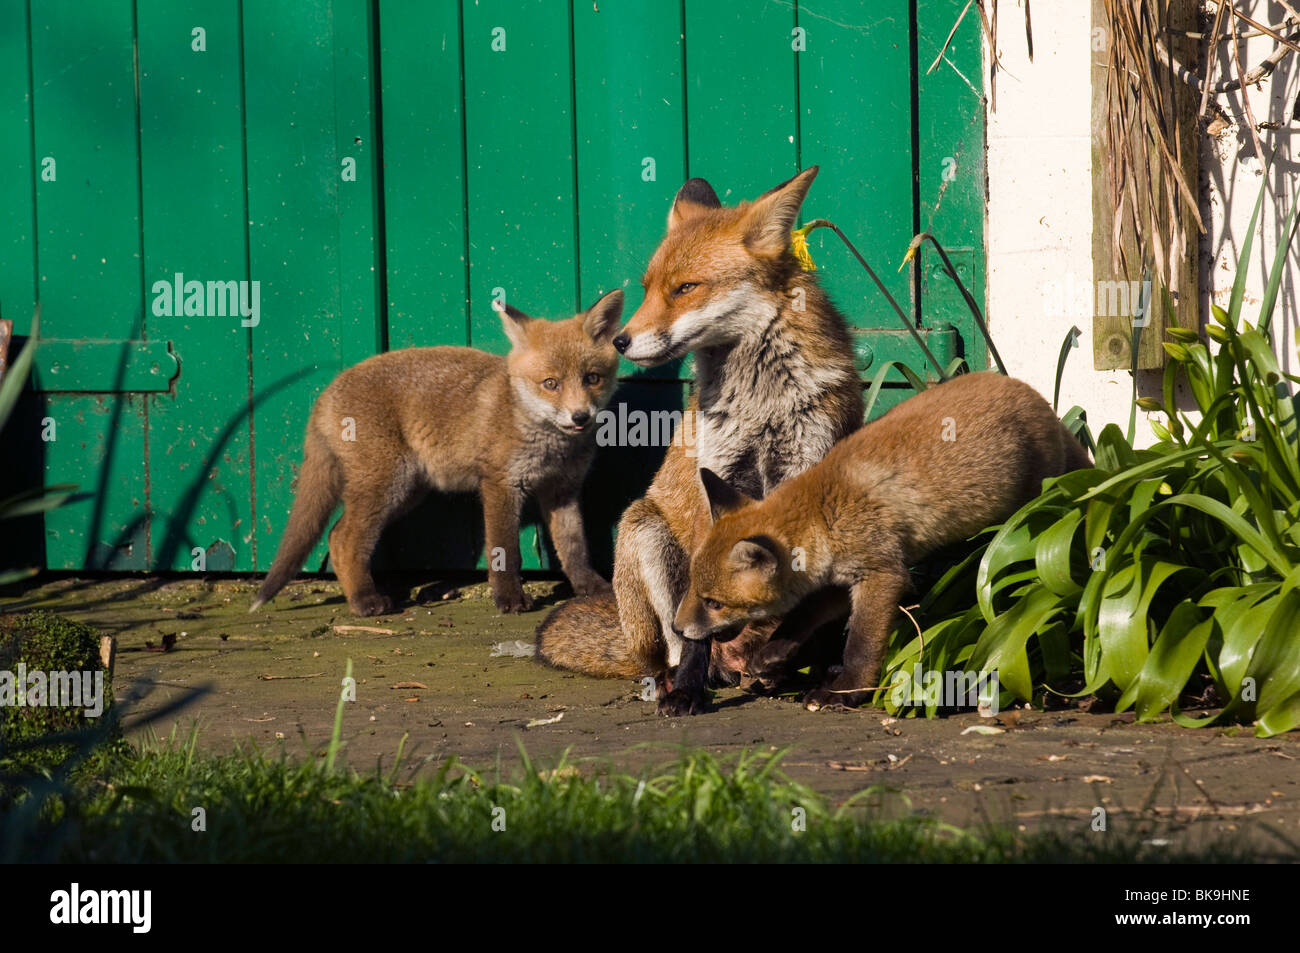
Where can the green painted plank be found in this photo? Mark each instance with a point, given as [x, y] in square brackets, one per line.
[190, 145]
[88, 253]
[631, 148]
[293, 233]
[519, 162]
[361, 307]
[855, 123]
[424, 177]
[740, 95]
[951, 167]
[106, 525]
[424, 220]
[17, 244]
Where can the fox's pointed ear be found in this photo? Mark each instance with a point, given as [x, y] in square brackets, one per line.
[722, 496]
[600, 321]
[693, 199]
[756, 552]
[514, 322]
[774, 213]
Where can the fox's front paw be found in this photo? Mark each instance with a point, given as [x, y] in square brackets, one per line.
[678, 702]
[827, 697]
[372, 603]
[511, 602]
[590, 585]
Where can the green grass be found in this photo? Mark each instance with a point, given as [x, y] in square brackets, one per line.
[698, 808]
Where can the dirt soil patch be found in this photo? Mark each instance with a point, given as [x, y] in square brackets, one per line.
[442, 674]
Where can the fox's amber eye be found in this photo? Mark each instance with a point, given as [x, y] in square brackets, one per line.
[713, 605]
[591, 380]
[550, 383]
[685, 289]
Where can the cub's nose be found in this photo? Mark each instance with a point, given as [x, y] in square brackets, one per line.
[580, 418]
[621, 342]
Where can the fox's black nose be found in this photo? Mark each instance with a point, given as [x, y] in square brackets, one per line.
[580, 418]
[621, 342]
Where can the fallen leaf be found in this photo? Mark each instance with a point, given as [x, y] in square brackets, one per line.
[409, 685]
[1095, 778]
[515, 649]
[983, 730]
[538, 722]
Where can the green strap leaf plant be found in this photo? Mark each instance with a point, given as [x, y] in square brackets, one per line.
[1158, 577]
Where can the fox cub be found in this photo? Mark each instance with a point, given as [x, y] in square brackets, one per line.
[936, 469]
[455, 419]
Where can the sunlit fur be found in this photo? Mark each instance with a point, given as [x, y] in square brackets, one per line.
[455, 419]
[776, 386]
[881, 500]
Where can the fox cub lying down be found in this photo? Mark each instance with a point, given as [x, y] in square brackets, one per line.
[455, 419]
[936, 469]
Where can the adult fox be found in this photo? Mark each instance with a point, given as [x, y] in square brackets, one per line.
[776, 387]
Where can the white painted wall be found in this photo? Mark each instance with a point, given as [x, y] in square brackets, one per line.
[1040, 207]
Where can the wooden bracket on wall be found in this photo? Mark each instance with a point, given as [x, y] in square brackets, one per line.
[1118, 299]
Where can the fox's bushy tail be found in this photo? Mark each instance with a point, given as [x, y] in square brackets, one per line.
[320, 486]
[583, 635]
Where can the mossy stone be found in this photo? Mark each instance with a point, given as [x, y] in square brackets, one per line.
[46, 642]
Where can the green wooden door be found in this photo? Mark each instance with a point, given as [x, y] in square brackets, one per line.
[371, 173]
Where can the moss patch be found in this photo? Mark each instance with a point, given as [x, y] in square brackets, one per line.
[45, 643]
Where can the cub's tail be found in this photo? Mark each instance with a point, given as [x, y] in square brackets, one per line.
[320, 485]
[584, 635]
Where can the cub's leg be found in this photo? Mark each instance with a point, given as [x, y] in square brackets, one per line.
[564, 521]
[367, 508]
[875, 602]
[501, 506]
[768, 666]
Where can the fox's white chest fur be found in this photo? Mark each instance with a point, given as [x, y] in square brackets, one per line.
[762, 413]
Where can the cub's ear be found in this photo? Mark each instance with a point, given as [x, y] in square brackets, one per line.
[693, 199]
[758, 553]
[723, 498]
[514, 322]
[600, 321]
[773, 214]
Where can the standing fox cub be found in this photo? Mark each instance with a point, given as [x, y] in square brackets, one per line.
[776, 387]
[936, 469]
[455, 419]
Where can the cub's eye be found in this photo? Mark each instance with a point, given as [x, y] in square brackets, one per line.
[686, 288]
[591, 380]
[713, 605]
[550, 383]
